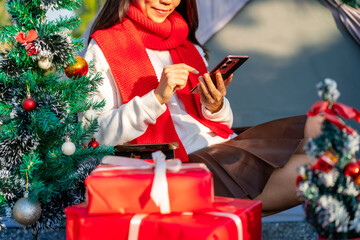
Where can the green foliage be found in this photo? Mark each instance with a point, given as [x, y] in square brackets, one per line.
[352, 3]
[87, 13]
[31, 155]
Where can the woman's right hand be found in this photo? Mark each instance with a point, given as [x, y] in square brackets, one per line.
[173, 77]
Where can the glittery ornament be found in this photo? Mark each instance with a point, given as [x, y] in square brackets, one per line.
[352, 169]
[68, 148]
[26, 212]
[326, 162]
[93, 143]
[77, 69]
[29, 104]
[90, 114]
[44, 63]
[357, 180]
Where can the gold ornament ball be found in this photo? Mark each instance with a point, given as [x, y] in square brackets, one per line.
[77, 69]
[26, 212]
[357, 180]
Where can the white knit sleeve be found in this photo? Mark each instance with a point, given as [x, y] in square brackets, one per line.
[120, 123]
[224, 116]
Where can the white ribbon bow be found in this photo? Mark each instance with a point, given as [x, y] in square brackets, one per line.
[159, 190]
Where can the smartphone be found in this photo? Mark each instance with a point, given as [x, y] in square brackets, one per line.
[226, 67]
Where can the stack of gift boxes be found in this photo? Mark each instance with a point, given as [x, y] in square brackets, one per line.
[135, 199]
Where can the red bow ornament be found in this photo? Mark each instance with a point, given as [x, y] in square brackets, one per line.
[27, 41]
[331, 113]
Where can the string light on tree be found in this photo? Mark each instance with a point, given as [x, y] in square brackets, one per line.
[68, 148]
[79, 68]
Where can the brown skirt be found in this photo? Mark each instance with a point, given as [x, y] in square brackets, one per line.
[242, 166]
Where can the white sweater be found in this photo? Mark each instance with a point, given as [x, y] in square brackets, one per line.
[121, 123]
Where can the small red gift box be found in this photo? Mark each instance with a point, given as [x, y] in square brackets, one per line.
[229, 219]
[113, 189]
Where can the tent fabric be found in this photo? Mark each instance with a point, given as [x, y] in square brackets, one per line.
[213, 15]
[347, 16]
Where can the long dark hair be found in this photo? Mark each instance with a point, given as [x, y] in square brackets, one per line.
[113, 12]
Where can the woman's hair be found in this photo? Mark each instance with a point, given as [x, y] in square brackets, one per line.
[113, 12]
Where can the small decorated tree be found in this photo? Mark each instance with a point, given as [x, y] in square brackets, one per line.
[45, 153]
[330, 187]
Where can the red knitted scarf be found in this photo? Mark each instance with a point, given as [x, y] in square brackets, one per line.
[124, 48]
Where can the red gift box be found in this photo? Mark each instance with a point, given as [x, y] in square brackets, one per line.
[113, 190]
[217, 223]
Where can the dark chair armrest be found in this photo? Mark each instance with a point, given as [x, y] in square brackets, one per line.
[239, 130]
[143, 151]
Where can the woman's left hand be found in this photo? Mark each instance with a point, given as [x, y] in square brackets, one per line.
[211, 97]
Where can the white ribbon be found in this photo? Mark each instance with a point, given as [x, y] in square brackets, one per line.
[134, 228]
[136, 220]
[159, 191]
[235, 218]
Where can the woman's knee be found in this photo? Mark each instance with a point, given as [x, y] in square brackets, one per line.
[313, 126]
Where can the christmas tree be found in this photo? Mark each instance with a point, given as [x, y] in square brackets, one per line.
[330, 187]
[45, 153]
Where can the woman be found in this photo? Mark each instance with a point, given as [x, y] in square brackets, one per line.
[150, 58]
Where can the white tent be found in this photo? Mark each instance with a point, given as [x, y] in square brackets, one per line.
[213, 15]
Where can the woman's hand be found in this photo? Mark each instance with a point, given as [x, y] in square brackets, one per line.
[174, 77]
[210, 96]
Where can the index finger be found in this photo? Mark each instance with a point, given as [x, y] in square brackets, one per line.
[187, 67]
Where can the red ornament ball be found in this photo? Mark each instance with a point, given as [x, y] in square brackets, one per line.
[93, 143]
[298, 180]
[29, 104]
[77, 69]
[352, 169]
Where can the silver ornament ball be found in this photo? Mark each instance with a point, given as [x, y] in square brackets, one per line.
[26, 212]
[68, 148]
[90, 115]
[44, 63]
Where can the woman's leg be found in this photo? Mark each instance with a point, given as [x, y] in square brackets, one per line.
[280, 191]
[312, 129]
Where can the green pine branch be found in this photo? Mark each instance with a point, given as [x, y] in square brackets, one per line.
[44, 120]
[68, 4]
